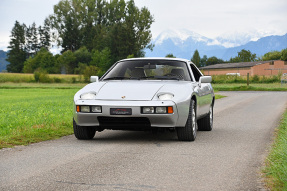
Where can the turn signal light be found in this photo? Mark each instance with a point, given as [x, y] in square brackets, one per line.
[169, 109]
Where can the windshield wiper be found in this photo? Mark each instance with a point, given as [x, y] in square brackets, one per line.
[159, 77]
[117, 78]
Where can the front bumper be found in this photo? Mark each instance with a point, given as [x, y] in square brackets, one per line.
[136, 119]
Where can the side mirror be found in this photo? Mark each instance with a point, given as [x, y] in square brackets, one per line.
[205, 79]
[94, 79]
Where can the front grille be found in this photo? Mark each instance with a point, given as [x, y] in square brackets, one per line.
[124, 122]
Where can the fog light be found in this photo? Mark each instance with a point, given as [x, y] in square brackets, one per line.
[160, 110]
[96, 109]
[148, 109]
[85, 109]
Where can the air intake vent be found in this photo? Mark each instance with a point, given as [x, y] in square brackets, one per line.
[124, 122]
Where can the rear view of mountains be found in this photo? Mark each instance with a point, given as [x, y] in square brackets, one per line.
[183, 43]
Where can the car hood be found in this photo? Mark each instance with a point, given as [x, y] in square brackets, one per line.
[137, 90]
[131, 91]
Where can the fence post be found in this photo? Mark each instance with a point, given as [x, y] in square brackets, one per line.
[247, 79]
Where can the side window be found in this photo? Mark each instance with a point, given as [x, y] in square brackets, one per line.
[195, 72]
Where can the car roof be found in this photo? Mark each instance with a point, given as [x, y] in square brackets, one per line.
[156, 58]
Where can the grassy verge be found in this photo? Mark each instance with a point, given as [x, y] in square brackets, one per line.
[251, 87]
[276, 163]
[34, 115]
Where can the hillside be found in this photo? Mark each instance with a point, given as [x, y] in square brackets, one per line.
[3, 62]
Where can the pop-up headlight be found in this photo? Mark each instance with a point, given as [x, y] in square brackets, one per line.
[165, 96]
[89, 95]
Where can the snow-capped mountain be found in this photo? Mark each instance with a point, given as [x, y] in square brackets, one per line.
[183, 43]
[178, 36]
[236, 38]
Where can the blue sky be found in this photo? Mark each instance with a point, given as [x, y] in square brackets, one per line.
[206, 17]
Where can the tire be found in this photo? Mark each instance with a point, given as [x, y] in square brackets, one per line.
[83, 133]
[206, 123]
[188, 133]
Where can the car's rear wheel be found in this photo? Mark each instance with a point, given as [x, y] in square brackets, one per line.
[188, 133]
[83, 133]
[206, 123]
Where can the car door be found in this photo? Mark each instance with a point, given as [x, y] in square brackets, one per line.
[203, 91]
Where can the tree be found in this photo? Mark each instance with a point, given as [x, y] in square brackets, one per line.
[117, 25]
[213, 60]
[273, 55]
[44, 35]
[101, 59]
[68, 62]
[244, 56]
[284, 54]
[203, 61]
[170, 55]
[35, 43]
[43, 60]
[83, 55]
[67, 20]
[91, 71]
[32, 44]
[196, 58]
[16, 55]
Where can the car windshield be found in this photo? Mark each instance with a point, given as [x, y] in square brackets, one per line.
[149, 70]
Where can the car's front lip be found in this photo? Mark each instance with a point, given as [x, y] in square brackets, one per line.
[156, 120]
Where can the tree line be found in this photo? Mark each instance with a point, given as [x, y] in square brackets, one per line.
[93, 34]
[242, 56]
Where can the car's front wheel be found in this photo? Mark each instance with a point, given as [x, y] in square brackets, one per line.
[188, 133]
[206, 123]
[83, 133]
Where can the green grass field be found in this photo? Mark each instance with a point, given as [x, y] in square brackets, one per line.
[34, 114]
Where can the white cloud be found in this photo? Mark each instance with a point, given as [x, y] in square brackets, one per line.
[212, 18]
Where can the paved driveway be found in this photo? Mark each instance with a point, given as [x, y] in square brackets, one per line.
[227, 158]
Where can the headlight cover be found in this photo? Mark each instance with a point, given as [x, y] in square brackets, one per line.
[89, 95]
[165, 96]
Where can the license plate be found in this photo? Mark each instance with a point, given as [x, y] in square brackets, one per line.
[120, 111]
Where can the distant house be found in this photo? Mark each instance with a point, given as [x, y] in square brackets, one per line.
[260, 68]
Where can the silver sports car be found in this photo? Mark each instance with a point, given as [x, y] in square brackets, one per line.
[146, 94]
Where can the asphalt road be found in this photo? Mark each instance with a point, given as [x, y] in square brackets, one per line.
[227, 158]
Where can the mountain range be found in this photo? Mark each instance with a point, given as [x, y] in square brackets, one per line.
[183, 43]
[3, 62]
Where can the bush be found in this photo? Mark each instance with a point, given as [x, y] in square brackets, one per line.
[41, 75]
[90, 71]
[73, 80]
[57, 80]
[225, 79]
[255, 79]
